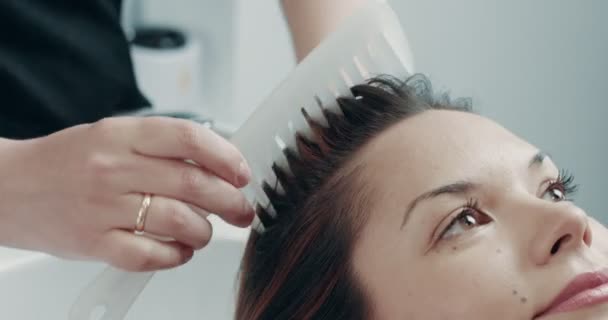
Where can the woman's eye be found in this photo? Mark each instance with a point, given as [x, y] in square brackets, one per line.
[554, 193]
[466, 220]
[561, 189]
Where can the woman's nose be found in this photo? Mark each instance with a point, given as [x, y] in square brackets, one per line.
[561, 229]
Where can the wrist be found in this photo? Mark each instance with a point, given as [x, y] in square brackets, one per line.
[7, 155]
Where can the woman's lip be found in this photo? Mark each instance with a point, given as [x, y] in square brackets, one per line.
[586, 289]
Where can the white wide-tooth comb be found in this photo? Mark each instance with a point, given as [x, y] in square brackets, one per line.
[370, 42]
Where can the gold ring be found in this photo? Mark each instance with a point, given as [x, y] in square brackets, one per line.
[141, 214]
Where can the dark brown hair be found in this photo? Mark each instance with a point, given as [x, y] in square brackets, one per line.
[300, 267]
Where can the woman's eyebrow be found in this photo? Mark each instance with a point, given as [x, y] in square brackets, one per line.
[538, 159]
[460, 187]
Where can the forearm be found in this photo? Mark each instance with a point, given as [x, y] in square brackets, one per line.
[310, 21]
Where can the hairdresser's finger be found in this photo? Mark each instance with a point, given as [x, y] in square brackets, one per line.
[188, 183]
[127, 251]
[177, 220]
[183, 139]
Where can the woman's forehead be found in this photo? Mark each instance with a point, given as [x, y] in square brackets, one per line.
[441, 145]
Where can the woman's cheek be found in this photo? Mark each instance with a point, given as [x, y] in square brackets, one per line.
[599, 237]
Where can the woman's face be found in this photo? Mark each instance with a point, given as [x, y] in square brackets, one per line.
[469, 222]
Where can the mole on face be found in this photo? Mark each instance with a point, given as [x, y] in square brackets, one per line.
[522, 299]
[454, 248]
[498, 251]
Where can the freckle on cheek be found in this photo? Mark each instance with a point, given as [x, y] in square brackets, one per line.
[454, 248]
[498, 251]
[523, 300]
[514, 292]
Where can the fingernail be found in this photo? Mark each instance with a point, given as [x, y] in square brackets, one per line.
[248, 213]
[243, 175]
[247, 208]
[187, 254]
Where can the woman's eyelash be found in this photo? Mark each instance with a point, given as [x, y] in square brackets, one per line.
[567, 180]
[565, 183]
[472, 204]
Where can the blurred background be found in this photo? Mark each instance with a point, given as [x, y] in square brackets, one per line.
[537, 67]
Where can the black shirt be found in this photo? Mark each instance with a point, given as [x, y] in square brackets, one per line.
[62, 63]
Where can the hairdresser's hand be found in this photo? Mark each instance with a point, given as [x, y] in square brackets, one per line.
[76, 193]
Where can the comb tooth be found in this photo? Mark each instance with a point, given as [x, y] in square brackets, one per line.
[348, 81]
[309, 120]
[356, 75]
[326, 98]
[265, 213]
[333, 89]
[314, 128]
[280, 159]
[283, 176]
[343, 83]
[291, 127]
[392, 57]
[284, 138]
[287, 129]
[334, 93]
[264, 200]
[387, 62]
[269, 178]
[270, 210]
[301, 125]
[314, 111]
[290, 135]
[370, 60]
[281, 162]
[257, 224]
[332, 105]
[361, 63]
[261, 197]
[279, 142]
[279, 188]
[319, 102]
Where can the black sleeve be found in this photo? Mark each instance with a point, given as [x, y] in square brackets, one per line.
[62, 63]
